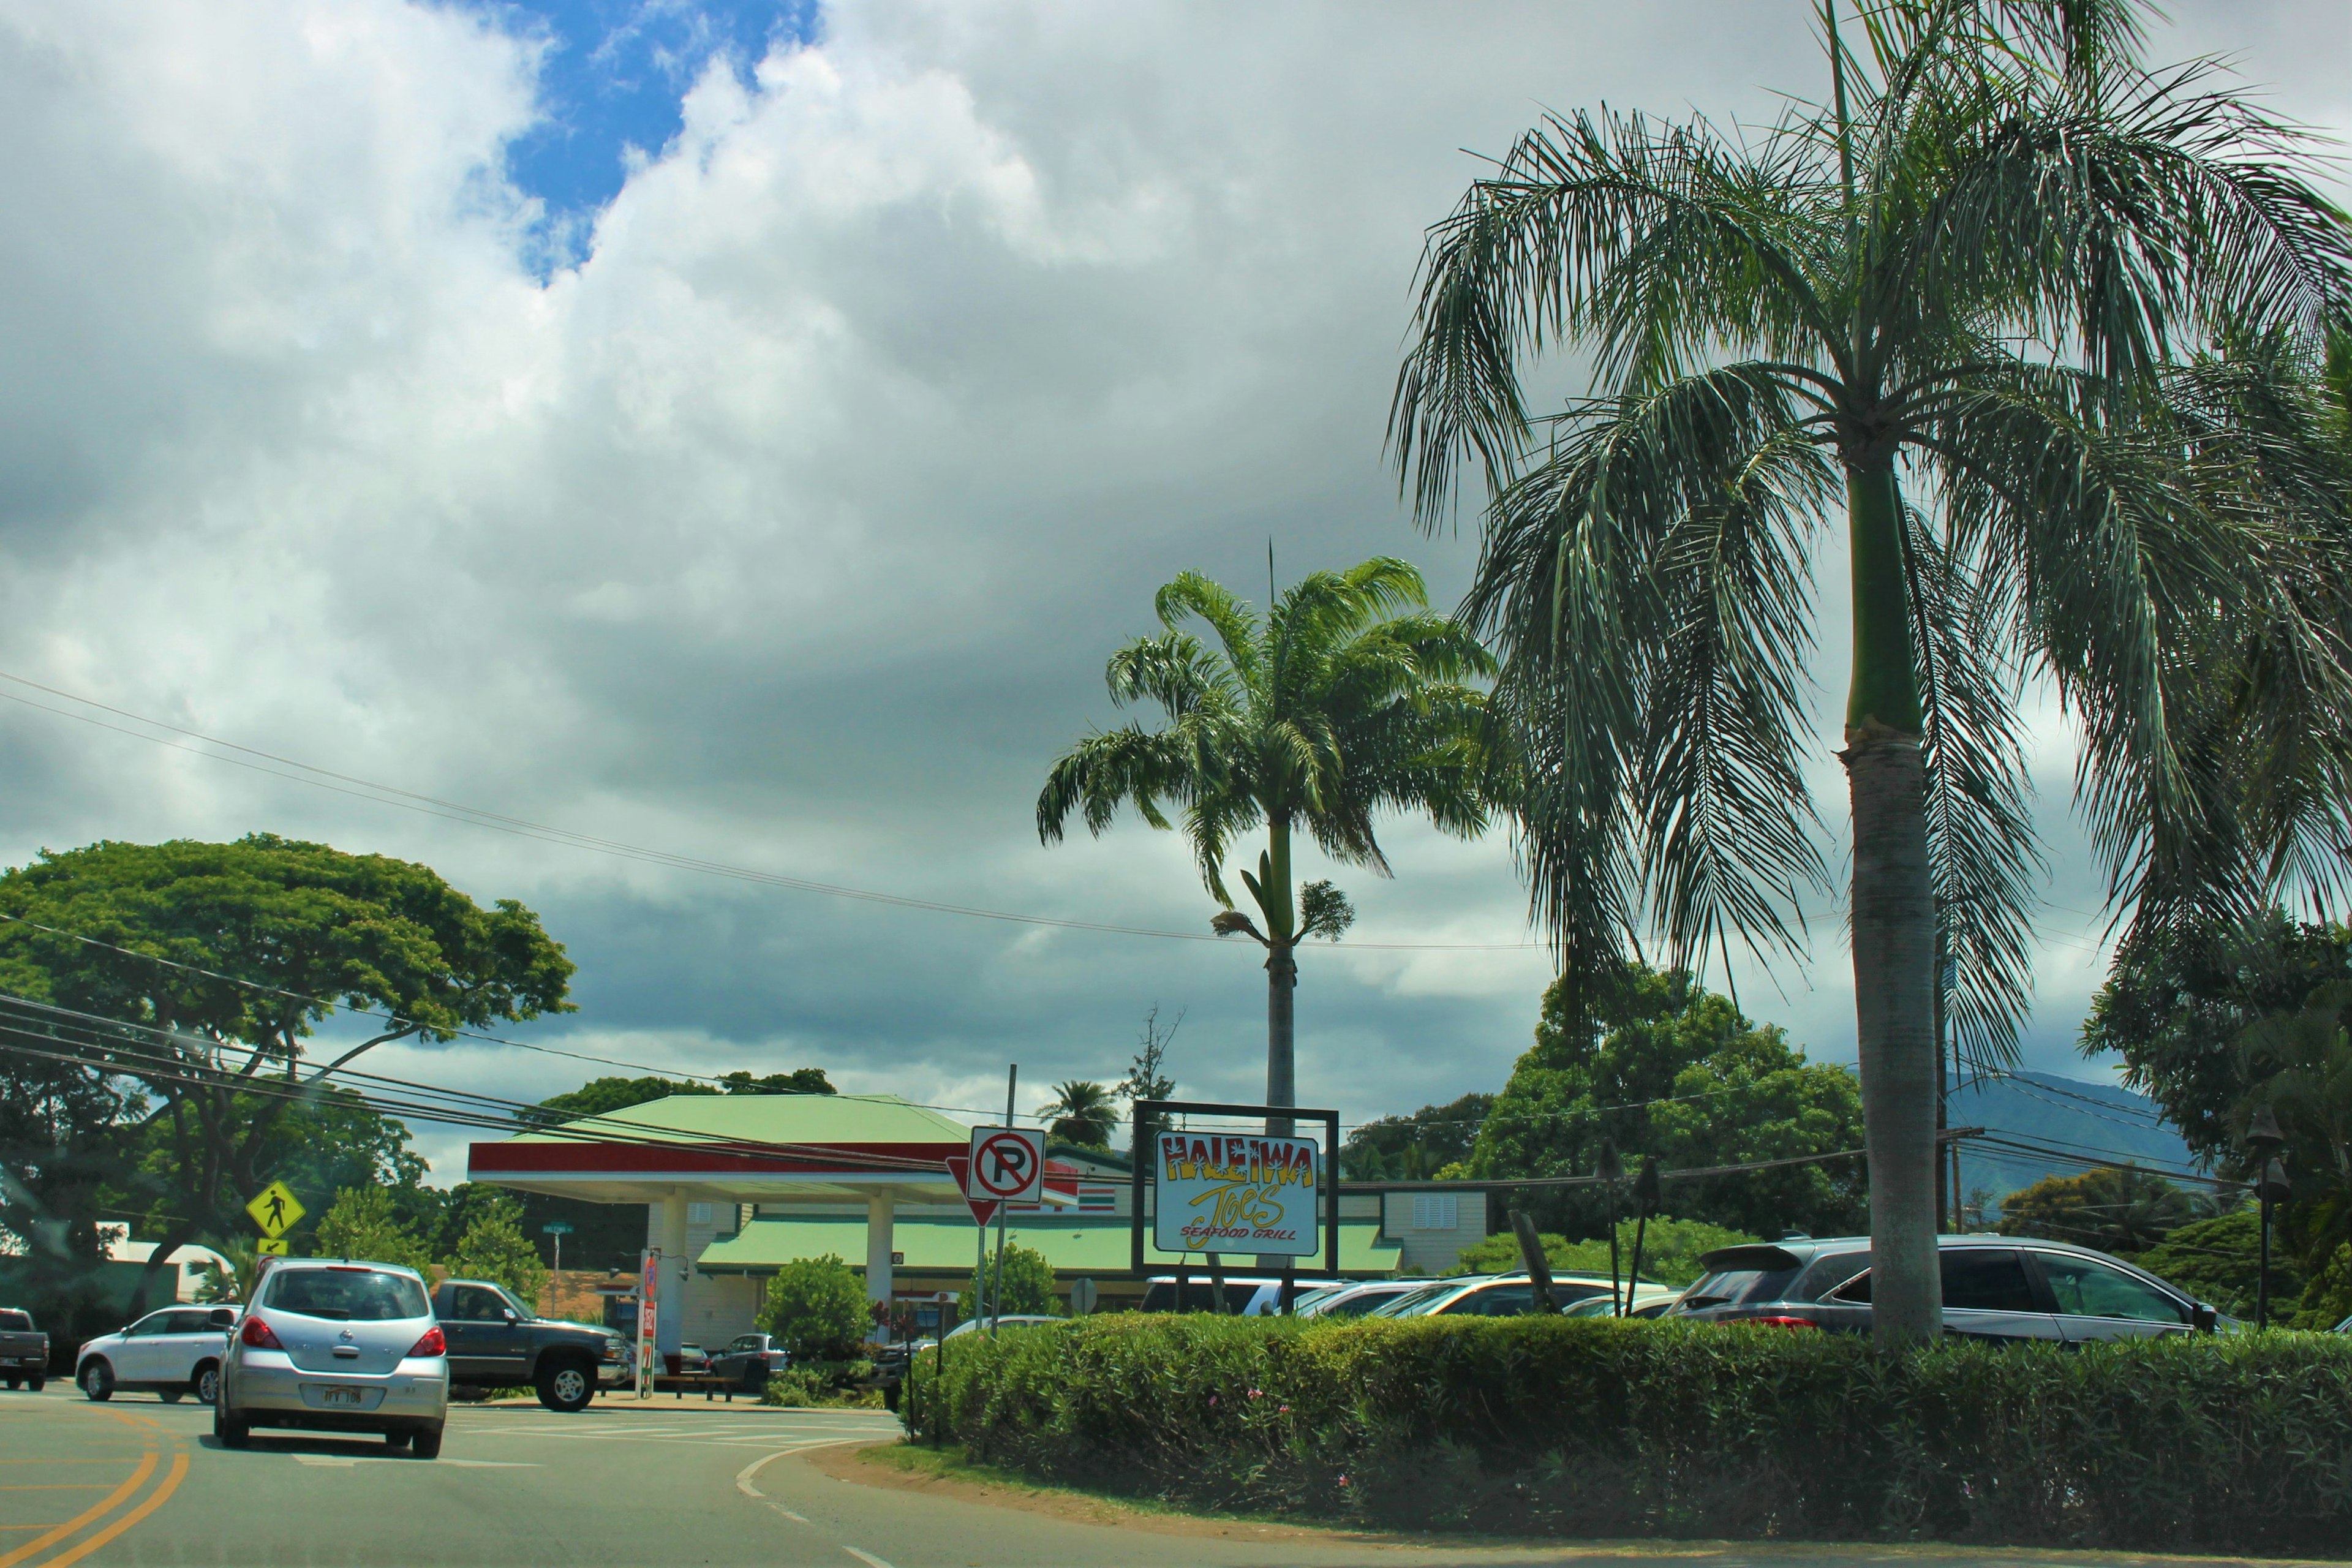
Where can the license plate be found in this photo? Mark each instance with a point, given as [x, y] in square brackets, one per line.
[338, 1396]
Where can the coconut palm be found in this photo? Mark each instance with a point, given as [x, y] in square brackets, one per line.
[1345, 699]
[1952, 309]
[1083, 1113]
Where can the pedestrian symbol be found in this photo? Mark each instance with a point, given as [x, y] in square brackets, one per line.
[274, 1210]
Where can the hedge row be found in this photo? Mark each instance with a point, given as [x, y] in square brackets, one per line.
[1592, 1427]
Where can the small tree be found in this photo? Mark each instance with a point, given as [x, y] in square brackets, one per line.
[1027, 1288]
[363, 1223]
[817, 1306]
[495, 1249]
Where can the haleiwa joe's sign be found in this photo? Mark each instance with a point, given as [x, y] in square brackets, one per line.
[1223, 1192]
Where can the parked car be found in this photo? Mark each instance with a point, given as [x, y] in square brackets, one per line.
[1246, 1295]
[1491, 1296]
[1354, 1297]
[1995, 1288]
[337, 1346]
[1649, 1302]
[496, 1341]
[171, 1353]
[1010, 1321]
[693, 1360]
[750, 1360]
[24, 1350]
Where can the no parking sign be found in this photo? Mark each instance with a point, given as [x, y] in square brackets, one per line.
[1008, 1164]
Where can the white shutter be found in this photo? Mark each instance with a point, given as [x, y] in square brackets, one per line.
[1434, 1211]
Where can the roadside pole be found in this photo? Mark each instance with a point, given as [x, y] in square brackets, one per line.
[1012, 1083]
[649, 1291]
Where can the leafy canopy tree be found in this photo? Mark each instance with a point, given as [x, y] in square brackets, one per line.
[64, 1132]
[1414, 1147]
[1664, 1069]
[817, 1308]
[1671, 1249]
[2217, 1260]
[1083, 1113]
[306, 929]
[604, 1095]
[495, 1249]
[2109, 1209]
[363, 1222]
[1959, 302]
[1347, 699]
[1028, 1286]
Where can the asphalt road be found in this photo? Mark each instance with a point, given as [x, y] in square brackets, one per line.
[139, 1481]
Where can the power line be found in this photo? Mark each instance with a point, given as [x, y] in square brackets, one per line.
[522, 827]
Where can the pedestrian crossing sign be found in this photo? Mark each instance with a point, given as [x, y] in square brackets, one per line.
[274, 1210]
[282, 1247]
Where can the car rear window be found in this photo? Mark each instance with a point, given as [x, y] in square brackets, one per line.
[1731, 1287]
[347, 1295]
[16, 1323]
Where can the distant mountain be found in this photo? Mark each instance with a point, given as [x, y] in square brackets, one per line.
[2097, 1121]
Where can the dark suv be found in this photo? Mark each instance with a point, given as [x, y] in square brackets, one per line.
[1995, 1288]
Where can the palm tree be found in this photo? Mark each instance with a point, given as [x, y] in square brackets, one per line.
[1085, 1114]
[1957, 299]
[1348, 697]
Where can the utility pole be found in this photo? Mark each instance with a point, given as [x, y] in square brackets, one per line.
[996, 1295]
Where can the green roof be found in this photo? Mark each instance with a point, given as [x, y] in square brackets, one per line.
[772, 1119]
[1092, 1244]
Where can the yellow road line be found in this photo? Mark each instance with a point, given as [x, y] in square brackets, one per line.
[154, 1500]
[105, 1504]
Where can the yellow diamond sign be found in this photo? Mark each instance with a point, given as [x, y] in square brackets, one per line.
[274, 1210]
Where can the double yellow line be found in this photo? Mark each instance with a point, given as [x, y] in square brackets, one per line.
[113, 1500]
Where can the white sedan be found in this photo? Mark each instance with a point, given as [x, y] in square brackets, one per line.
[174, 1351]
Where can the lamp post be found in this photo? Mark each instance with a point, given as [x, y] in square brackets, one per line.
[2263, 1140]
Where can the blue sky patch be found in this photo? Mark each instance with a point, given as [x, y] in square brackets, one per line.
[612, 77]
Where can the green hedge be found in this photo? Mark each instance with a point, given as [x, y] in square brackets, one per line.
[1592, 1427]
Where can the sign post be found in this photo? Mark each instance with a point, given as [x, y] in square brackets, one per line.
[1233, 1192]
[558, 1228]
[649, 1305]
[1005, 1165]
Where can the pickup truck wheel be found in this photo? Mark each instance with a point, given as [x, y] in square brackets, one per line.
[97, 1379]
[426, 1444]
[35, 1382]
[567, 1385]
[15, 1382]
[205, 1384]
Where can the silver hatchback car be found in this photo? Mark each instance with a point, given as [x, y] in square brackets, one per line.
[337, 1346]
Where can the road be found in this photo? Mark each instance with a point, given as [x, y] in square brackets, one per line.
[139, 1481]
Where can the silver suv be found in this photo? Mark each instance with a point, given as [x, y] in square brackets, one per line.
[1995, 1288]
[336, 1346]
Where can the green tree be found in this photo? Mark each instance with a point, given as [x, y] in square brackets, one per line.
[363, 1222]
[1962, 298]
[604, 1095]
[1346, 698]
[1671, 1249]
[1663, 1068]
[2217, 1260]
[817, 1306]
[67, 1137]
[494, 1248]
[142, 934]
[2113, 1210]
[1083, 1113]
[1147, 1076]
[1027, 1285]
[1415, 1147]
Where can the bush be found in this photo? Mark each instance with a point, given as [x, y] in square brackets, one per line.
[1598, 1427]
[817, 1306]
[1028, 1285]
[361, 1223]
[2216, 1260]
[495, 1249]
[821, 1383]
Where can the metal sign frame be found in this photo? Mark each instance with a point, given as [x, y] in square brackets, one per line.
[1148, 1112]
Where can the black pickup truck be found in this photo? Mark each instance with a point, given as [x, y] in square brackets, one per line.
[494, 1341]
[24, 1348]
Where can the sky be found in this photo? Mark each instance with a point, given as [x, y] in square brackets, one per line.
[745, 430]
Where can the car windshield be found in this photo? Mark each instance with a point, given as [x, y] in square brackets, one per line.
[347, 1295]
[1412, 1300]
[1731, 1287]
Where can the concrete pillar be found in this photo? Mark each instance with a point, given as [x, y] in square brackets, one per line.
[669, 1323]
[881, 1216]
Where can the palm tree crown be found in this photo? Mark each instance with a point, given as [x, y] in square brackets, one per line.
[1083, 1113]
[1974, 296]
[1346, 698]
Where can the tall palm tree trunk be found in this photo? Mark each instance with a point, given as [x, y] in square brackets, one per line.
[1894, 920]
[1281, 979]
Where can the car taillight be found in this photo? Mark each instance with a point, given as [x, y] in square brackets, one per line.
[257, 1334]
[430, 1342]
[1783, 1322]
